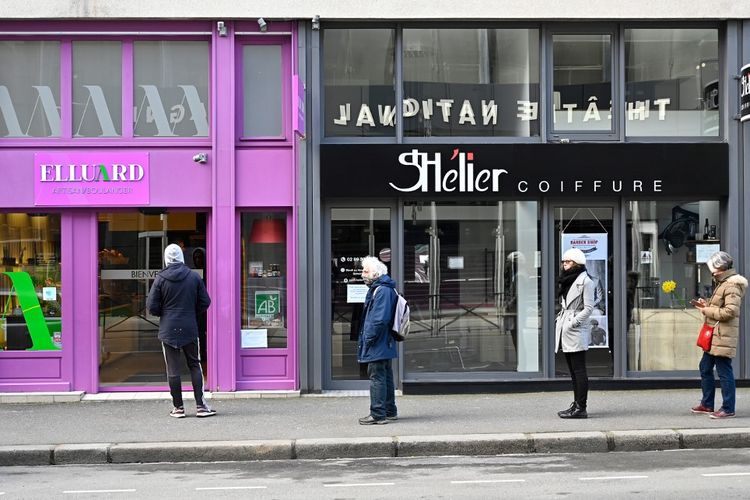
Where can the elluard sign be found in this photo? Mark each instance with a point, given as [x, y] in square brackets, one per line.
[91, 178]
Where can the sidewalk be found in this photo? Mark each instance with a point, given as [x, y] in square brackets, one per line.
[139, 430]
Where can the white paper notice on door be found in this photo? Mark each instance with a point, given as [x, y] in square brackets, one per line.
[355, 294]
[254, 338]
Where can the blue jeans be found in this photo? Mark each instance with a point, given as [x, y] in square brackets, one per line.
[382, 390]
[726, 378]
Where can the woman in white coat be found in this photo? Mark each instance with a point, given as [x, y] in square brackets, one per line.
[572, 327]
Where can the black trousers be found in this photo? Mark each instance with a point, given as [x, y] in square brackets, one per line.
[173, 358]
[577, 367]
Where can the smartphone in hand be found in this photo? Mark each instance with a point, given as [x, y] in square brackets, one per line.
[699, 302]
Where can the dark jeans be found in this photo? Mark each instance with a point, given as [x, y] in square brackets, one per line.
[382, 390]
[726, 378]
[173, 358]
[577, 367]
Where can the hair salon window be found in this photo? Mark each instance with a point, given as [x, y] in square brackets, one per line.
[264, 280]
[358, 76]
[97, 89]
[29, 89]
[30, 282]
[672, 82]
[471, 82]
[667, 242]
[472, 277]
[170, 88]
[582, 83]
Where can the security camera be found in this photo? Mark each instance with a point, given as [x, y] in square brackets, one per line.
[263, 24]
[316, 22]
[200, 158]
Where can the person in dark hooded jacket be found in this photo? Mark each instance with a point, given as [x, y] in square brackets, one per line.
[177, 296]
[376, 345]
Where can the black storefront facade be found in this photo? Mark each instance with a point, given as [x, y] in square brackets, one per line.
[473, 186]
[473, 233]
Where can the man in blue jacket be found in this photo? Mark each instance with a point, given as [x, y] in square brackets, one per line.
[376, 346]
[177, 296]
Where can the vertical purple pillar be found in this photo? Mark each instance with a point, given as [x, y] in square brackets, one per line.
[222, 253]
[80, 289]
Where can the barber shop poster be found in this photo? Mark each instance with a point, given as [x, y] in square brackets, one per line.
[594, 247]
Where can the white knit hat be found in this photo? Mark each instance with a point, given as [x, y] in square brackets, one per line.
[575, 255]
[172, 254]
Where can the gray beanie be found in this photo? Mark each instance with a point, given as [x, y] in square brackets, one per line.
[720, 261]
[172, 254]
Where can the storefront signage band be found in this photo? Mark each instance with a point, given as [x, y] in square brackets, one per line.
[91, 178]
[524, 170]
[485, 112]
[745, 93]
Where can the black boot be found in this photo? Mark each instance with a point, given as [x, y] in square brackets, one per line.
[578, 412]
[566, 413]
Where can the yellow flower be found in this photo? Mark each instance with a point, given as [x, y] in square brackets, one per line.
[669, 286]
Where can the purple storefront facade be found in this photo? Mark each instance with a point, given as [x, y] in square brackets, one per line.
[118, 139]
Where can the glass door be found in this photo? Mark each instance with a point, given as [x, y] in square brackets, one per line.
[354, 233]
[131, 249]
[590, 229]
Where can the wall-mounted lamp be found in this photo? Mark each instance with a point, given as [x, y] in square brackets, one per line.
[316, 22]
[200, 158]
[221, 28]
[262, 24]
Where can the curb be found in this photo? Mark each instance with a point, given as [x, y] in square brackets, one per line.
[375, 447]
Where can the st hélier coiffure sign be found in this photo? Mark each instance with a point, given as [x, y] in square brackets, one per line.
[525, 170]
[745, 93]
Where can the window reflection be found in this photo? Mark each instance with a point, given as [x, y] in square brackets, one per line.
[672, 82]
[30, 92]
[472, 281]
[358, 75]
[97, 89]
[170, 89]
[470, 82]
[582, 97]
[665, 242]
[263, 81]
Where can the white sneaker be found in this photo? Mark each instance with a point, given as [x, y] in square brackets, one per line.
[204, 411]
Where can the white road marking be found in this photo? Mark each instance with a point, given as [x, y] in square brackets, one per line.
[232, 488]
[607, 478]
[719, 474]
[356, 484]
[100, 491]
[490, 481]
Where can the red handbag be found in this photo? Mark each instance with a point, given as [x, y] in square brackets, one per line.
[705, 336]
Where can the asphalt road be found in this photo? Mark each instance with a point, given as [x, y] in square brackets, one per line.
[665, 475]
